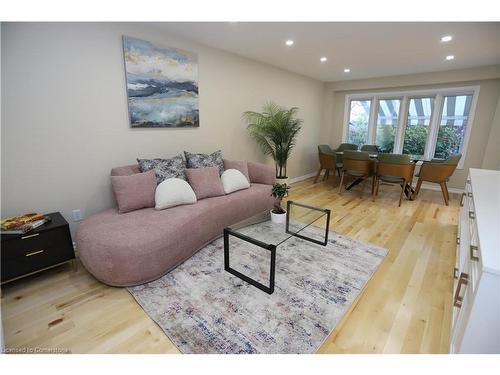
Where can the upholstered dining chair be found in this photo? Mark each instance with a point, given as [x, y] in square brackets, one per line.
[327, 161]
[438, 172]
[370, 148]
[394, 169]
[344, 147]
[359, 165]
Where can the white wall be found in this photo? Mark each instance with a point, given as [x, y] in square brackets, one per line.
[65, 121]
[491, 158]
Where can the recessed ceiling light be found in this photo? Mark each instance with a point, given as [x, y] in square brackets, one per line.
[347, 70]
[289, 42]
[450, 57]
[446, 38]
[323, 59]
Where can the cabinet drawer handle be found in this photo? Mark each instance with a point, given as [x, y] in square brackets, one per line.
[464, 280]
[472, 256]
[455, 273]
[468, 181]
[472, 215]
[458, 240]
[462, 199]
[34, 253]
[469, 194]
[31, 235]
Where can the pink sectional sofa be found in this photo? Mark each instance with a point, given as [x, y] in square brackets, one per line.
[140, 246]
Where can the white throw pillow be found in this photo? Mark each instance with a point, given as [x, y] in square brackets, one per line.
[173, 192]
[233, 180]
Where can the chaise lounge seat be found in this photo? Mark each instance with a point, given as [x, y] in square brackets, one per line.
[140, 246]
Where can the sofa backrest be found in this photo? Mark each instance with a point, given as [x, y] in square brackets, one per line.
[258, 172]
[125, 170]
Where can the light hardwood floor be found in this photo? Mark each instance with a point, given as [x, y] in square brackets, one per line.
[405, 308]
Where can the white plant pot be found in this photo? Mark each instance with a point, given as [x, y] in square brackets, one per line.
[282, 180]
[278, 218]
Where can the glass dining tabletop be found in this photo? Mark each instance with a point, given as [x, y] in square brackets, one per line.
[414, 158]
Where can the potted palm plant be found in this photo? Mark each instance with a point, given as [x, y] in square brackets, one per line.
[275, 130]
[278, 214]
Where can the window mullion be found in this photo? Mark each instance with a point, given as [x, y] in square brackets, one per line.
[372, 121]
[400, 133]
[347, 115]
[430, 146]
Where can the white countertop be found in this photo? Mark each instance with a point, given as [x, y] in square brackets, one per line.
[485, 186]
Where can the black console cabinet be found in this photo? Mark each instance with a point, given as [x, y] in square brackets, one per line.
[45, 247]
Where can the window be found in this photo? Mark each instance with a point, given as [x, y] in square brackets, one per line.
[425, 124]
[387, 124]
[453, 125]
[417, 126]
[359, 118]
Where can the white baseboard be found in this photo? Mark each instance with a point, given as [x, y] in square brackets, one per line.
[301, 178]
[438, 188]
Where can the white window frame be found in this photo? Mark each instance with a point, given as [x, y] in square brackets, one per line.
[405, 96]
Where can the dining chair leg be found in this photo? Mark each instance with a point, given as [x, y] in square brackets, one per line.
[374, 183]
[447, 192]
[317, 175]
[341, 181]
[417, 188]
[443, 190]
[327, 174]
[401, 195]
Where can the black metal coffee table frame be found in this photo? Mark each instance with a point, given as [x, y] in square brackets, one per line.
[270, 247]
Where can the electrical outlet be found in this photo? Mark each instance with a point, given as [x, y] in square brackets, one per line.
[77, 215]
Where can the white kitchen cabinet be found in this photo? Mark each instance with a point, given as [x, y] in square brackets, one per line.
[476, 295]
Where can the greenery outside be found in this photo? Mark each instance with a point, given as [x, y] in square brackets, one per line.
[385, 137]
[449, 138]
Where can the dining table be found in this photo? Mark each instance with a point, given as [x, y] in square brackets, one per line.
[408, 189]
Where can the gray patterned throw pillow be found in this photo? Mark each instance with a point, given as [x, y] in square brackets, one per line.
[205, 160]
[164, 168]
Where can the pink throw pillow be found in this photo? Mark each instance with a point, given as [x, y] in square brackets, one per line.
[135, 191]
[240, 165]
[205, 182]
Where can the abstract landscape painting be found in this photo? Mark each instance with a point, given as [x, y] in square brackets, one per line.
[162, 85]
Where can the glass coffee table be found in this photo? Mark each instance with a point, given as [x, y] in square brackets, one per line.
[260, 232]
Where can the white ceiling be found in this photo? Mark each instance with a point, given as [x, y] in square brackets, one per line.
[369, 49]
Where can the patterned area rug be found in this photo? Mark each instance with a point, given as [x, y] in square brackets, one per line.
[204, 309]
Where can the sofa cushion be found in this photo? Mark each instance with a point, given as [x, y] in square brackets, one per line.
[233, 180]
[205, 160]
[241, 165]
[125, 170]
[164, 168]
[135, 191]
[205, 182]
[173, 192]
[261, 173]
